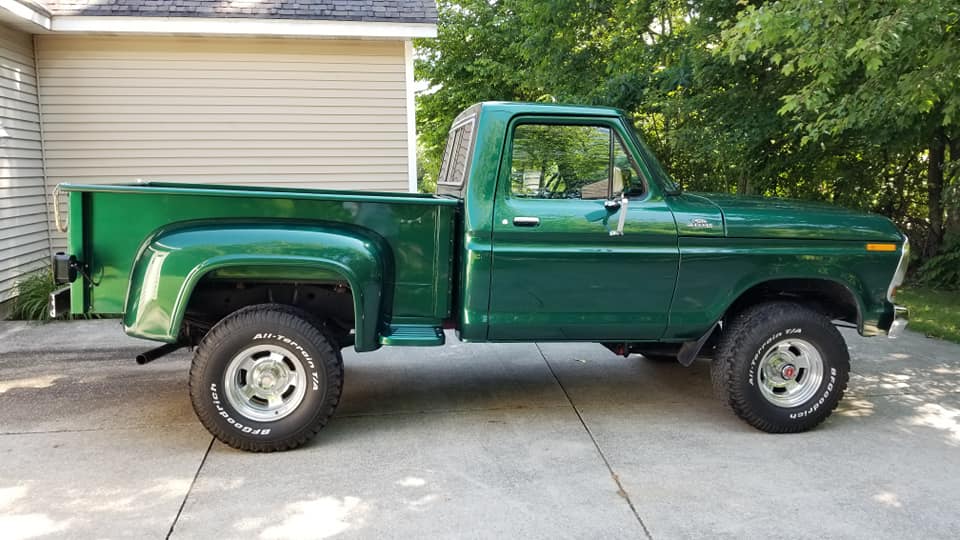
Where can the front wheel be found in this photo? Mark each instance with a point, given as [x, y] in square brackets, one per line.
[265, 378]
[781, 367]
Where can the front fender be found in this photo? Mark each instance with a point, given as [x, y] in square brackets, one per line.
[715, 272]
[172, 261]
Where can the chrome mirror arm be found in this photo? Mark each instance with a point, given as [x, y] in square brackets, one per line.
[624, 201]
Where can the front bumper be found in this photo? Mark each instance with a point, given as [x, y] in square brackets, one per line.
[901, 316]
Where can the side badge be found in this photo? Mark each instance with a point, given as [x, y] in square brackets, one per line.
[700, 223]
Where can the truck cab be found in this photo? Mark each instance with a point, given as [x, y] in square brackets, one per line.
[567, 232]
[572, 231]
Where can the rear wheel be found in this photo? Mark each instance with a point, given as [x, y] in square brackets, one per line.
[781, 367]
[266, 378]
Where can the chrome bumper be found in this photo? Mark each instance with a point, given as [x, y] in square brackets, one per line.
[900, 319]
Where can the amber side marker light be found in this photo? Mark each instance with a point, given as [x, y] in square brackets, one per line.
[881, 247]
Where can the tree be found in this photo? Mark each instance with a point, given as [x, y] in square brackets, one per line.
[475, 57]
[887, 72]
[814, 99]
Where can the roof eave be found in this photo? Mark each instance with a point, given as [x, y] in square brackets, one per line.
[25, 15]
[223, 26]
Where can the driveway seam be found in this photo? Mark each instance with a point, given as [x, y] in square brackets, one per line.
[342, 416]
[186, 496]
[613, 475]
[88, 430]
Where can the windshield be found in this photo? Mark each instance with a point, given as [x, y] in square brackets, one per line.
[651, 162]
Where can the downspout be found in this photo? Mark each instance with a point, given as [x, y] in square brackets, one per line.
[411, 116]
[47, 196]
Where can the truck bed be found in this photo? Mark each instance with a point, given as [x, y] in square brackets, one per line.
[112, 223]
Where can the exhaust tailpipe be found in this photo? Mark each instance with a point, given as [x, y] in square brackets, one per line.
[153, 354]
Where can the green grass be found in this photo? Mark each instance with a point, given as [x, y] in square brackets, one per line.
[935, 313]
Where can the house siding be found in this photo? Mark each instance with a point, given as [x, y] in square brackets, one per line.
[24, 239]
[284, 112]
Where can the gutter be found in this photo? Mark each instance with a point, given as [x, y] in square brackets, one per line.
[221, 26]
[38, 16]
[28, 11]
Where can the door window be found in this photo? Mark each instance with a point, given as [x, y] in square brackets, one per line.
[551, 161]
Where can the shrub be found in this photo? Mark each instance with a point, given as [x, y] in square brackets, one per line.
[942, 271]
[33, 296]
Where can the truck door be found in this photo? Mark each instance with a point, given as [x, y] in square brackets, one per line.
[561, 268]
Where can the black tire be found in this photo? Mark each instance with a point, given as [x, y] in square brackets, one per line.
[301, 343]
[750, 339]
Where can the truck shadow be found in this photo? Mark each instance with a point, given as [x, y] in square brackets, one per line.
[897, 396]
[424, 387]
[896, 390]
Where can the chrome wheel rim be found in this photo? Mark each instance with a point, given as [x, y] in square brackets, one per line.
[265, 383]
[790, 373]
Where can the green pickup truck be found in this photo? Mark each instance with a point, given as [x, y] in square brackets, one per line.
[550, 223]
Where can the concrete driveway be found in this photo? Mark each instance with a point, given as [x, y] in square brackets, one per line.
[473, 441]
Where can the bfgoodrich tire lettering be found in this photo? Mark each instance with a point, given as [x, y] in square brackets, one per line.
[809, 376]
[292, 352]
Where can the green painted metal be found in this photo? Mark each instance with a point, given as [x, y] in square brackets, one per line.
[174, 261]
[78, 246]
[715, 271]
[765, 217]
[412, 335]
[683, 259]
[246, 192]
[696, 215]
[118, 221]
[559, 281]
[568, 278]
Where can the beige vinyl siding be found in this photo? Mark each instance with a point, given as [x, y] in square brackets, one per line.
[24, 241]
[286, 112]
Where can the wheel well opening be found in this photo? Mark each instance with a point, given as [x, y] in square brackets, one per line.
[213, 299]
[833, 300]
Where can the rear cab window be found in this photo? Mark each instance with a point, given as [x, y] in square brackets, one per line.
[458, 154]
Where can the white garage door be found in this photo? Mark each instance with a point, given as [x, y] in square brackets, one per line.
[290, 112]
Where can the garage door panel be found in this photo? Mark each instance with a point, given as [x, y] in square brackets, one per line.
[284, 112]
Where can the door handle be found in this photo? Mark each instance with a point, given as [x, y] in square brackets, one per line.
[523, 221]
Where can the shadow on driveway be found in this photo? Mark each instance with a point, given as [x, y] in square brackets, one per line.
[550, 440]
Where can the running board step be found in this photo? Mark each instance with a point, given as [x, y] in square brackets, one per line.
[412, 335]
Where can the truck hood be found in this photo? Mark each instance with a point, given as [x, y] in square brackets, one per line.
[763, 217]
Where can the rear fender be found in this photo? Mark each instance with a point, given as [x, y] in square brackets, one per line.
[172, 261]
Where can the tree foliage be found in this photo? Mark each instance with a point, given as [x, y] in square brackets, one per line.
[838, 100]
[885, 72]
